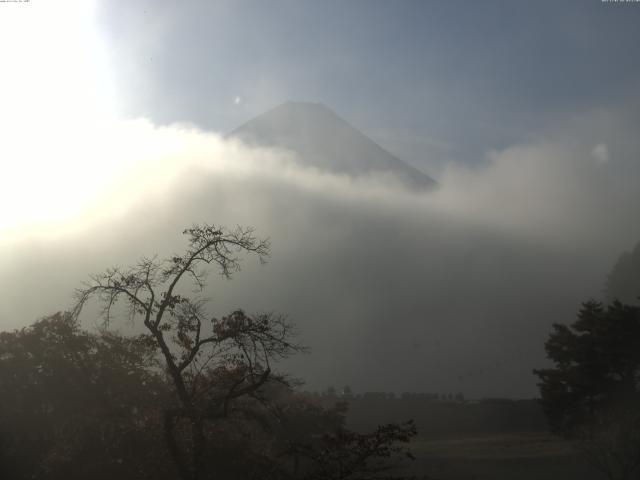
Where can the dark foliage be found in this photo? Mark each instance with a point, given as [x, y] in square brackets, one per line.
[592, 394]
[193, 397]
[347, 455]
[597, 364]
[74, 404]
[92, 405]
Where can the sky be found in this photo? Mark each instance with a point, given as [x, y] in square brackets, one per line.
[526, 113]
[432, 81]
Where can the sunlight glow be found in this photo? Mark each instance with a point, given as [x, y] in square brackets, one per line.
[56, 95]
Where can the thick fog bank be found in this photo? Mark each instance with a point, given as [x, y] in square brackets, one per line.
[447, 291]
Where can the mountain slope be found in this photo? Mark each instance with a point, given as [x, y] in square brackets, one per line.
[324, 140]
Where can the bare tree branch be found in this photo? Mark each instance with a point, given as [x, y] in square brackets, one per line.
[237, 349]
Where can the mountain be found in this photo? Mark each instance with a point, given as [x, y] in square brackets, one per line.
[323, 140]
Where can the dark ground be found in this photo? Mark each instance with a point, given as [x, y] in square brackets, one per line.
[520, 456]
[482, 440]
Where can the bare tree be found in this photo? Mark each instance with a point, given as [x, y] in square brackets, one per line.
[211, 362]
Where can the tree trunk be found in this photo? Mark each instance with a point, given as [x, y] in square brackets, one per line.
[198, 440]
[172, 445]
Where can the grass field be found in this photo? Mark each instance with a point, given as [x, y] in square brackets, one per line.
[525, 456]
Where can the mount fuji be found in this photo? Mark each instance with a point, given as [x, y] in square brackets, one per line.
[321, 139]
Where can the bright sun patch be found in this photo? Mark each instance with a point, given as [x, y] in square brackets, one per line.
[56, 97]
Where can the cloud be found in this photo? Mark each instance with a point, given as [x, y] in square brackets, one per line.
[550, 191]
[600, 153]
[453, 290]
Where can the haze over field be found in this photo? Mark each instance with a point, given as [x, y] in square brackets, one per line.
[115, 138]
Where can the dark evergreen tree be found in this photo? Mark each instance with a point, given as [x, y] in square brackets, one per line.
[623, 283]
[592, 394]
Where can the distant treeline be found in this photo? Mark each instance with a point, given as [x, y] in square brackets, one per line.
[347, 394]
[438, 415]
